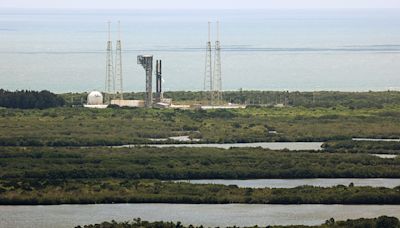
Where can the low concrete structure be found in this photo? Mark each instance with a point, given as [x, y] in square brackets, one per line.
[95, 106]
[162, 105]
[180, 106]
[128, 103]
[279, 106]
[166, 100]
[229, 106]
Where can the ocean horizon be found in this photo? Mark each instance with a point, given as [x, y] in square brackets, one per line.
[295, 50]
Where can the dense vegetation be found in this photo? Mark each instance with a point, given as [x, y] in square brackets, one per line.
[188, 163]
[38, 175]
[349, 146]
[32, 192]
[39, 166]
[41, 175]
[26, 99]
[381, 222]
[86, 127]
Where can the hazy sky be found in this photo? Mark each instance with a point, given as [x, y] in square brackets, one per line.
[199, 4]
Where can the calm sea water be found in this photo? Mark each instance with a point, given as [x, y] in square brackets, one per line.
[295, 50]
[210, 215]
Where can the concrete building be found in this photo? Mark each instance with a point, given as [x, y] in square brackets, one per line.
[129, 103]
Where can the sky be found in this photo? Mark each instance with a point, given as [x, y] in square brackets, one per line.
[200, 4]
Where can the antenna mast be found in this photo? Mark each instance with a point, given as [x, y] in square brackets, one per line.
[119, 93]
[217, 75]
[208, 77]
[159, 95]
[110, 83]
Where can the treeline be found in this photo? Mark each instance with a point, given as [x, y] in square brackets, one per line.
[325, 99]
[70, 142]
[27, 99]
[380, 222]
[351, 146]
[354, 100]
[188, 163]
[42, 192]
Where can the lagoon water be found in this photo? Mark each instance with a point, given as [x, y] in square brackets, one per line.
[266, 145]
[375, 140]
[387, 156]
[64, 51]
[209, 215]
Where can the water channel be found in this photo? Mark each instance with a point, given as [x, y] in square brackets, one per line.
[375, 140]
[267, 145]
[209, 215]
[387, 156]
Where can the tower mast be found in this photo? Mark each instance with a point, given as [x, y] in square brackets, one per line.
[159, 95]
[110, 84]
[208, 77]
[119, 93]
[217, 75]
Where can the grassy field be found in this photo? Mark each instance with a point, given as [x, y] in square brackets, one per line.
[85, 127]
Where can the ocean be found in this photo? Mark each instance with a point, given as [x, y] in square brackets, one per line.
[295, 50]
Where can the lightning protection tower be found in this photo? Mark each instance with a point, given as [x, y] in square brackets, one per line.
[119, 93]
[217, 74]
[147, 62]
[159, 95]
[110, 83]
[208, 73]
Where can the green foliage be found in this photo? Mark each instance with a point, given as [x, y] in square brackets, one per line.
[188, 163]
[137, 223]
[87, 127]
[353, 100]
[325, 99]
[26, 99]
[350, 146]
[91, 191]
[387, 222]
[381, 222]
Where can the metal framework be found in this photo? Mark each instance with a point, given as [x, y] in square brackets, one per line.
[119, 93]
[208, 73]
[159, 95]
[147, 62]
[217, 74]
[213, 72]
[110, 83]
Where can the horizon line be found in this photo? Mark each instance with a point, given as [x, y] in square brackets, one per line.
[239, 9]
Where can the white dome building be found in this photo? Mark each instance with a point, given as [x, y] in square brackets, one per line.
[95, 98]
